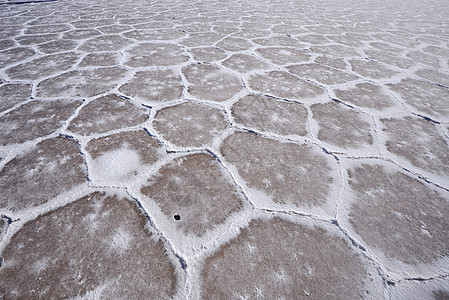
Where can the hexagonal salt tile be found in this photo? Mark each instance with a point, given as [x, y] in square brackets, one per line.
[234, 44]
[284, 55]
[43, 66]
[419, 142]
[101, 59]
[59, 45]
[90, 22]
[336, 63]
[371, 69]
[244, 63]
[195, 192]
[118, 159]
[190, 124]
[270, 114]
[81, 83]
[12, 94]
[207, 54]
[109, 42]
[284, 85]
[51, 167]
[278, 40]
[389, 58]
[366, 95]
[148, 54]
[335, 51]
[160, 34]
[398, 216]
[154, 86]
[15, 55]
[434, 76]
[6, 44]
[27, 40]
[428, 98]
[111, 29]
[424, 58]
[435, 50]
[35, 119]
[277, 258]
[81, 34]
[201, 39]
[107, 113]
[49, 28]
[281, 175]
[208, 82]
[97, 246]
[322, 74]
[342, 126]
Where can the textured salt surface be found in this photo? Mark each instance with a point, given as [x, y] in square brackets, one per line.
[224, 149]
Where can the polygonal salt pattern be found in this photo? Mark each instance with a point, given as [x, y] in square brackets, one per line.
[229, 149]
[105, 114]
[306, 260]
[336, 50]
[12, 94]
[283, 55]
[244, 63]
[424, 97]
[101, 59]
[81, 83]
[336, 63]
[434, 76]
[35, 119]
[342, 126]
[104, 43]
[208, 82]
[118, 159]
[81, 34]
[397, 216]
[272, 172]
[27, 40]
[284, 85]
[158, 35]
[270, 114]
[44, 66]
[234, 44]
[201, 39]
[189, 124]
[390, 59]
[59, 45]
[154, 86]
[52, 167]
[322, 74]
[195, 192]
[419, 142]
[371, 69]
[366, 95]
[15, 55]
[147, 55]
[207, 54]
[97, 246]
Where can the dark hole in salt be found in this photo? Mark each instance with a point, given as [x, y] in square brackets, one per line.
[177, 217]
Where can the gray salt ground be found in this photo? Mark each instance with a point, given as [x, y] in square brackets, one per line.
[232, 149]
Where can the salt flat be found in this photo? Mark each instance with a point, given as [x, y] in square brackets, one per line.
[207, 149]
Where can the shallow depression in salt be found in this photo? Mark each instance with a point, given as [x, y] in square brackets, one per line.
[202, 149]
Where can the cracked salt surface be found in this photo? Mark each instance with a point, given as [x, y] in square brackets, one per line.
[235, 150]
